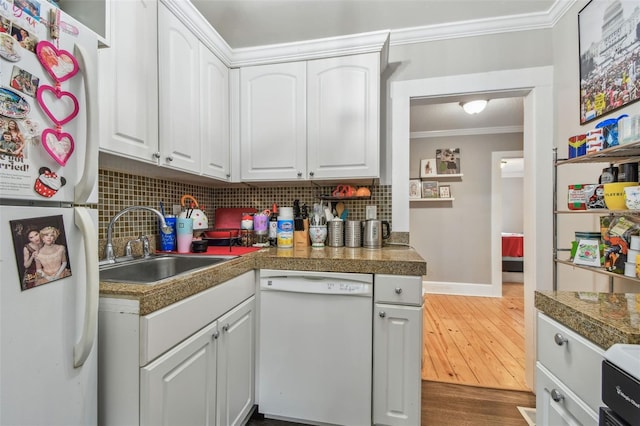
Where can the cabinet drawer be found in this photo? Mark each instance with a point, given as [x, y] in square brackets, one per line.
[571, 358]
[163, 329]
[556, 404]
[398, 289]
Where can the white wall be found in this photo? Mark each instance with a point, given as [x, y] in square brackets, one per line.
[567, 92]
[455, 236]
[512, 200]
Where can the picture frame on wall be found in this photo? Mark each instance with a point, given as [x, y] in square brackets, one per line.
[415, 191]
[448, 161]
[607, 49]
[429, 189]
[444, 191]
[428, 167]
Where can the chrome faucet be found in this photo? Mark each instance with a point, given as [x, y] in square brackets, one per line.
[109, 255]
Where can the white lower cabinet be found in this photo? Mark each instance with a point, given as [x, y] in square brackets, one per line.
[207, 379]
[180, 386]
[397, 350]
[188, 363]
[568, 382]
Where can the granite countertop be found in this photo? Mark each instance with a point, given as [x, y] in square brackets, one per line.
[603, 318]
[392, 260]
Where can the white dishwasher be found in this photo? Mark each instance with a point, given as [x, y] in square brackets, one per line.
[315, 348]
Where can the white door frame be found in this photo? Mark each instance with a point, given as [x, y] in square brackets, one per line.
[538, 184]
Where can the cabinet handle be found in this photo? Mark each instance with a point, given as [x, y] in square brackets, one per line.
[560, 339]
[299, 173]
[382, 314]
[398, 290]
[556, 395]
[215, 334]
[170, 158]
[228, 175]
[311, 174]
[156, 154]
[226, 327]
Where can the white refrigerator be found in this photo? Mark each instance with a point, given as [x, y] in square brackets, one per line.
[48, 246]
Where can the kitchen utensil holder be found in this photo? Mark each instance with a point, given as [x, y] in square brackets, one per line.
[335, 237]
[353, 233]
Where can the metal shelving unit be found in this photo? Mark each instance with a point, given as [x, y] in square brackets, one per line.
[618, 154]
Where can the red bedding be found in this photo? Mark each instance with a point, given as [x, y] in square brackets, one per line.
[512, 245]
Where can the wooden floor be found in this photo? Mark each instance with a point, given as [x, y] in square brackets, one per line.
[475, 341]
[445, 404]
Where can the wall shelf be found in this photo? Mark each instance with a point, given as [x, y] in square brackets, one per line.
[417, 200]
[436, 177]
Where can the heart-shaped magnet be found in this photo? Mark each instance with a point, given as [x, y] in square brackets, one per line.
[60, 64]
[59, 145]
[66, 110]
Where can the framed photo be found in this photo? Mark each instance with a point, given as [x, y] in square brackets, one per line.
[448, 161]
[414, 188]
[40, 247]
[588, 253]
[607, 48]
[429, 189]
[444, 191]
[428, 167]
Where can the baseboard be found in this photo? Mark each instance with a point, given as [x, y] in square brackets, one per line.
[513, 277]
[459, 289]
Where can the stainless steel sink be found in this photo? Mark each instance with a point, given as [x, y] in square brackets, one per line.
[156, 268]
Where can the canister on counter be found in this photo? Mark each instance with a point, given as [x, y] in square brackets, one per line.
[168, 241]
[285, 228]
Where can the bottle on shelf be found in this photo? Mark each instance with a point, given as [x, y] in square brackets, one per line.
[273, 225]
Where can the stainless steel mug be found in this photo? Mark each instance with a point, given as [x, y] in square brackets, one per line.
[373, 233]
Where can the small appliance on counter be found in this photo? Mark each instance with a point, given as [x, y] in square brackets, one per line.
[373, 233]
[621, 386]
[227, 225]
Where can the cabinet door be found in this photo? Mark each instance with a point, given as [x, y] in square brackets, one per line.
[214, 115]
[236, 375]
[128, 89]
[179, 95]
[397, 354]
[344, 117]
[558, 405]
[179, 388]
[273, 122]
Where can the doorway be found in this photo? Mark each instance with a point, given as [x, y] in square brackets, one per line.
[535, 84]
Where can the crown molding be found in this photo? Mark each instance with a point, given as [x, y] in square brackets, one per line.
[352, 44]
[466, 132]
[186, 12]
[479, 27]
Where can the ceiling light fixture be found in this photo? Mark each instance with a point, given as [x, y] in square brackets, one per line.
[474, 107]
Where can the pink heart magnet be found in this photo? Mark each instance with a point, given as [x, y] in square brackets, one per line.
[67, 109]
[60, 64]
[59, 145]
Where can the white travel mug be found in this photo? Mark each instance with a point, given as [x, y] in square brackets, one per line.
[184, 234]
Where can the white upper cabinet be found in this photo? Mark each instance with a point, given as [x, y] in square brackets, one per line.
[308, 120]
[343, 117]
[179, 93]
[128, 89]
[273, 122]
[214, 115]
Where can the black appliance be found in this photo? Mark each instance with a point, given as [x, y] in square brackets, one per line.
[621, 386]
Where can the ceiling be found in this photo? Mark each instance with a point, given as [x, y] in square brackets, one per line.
[252, 23]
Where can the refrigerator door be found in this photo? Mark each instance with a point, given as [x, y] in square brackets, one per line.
[48, 353]
[55, 110]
